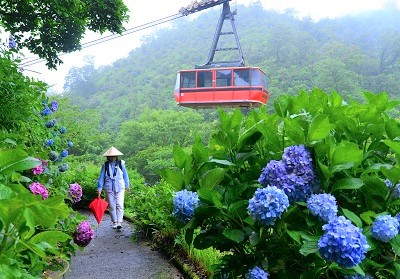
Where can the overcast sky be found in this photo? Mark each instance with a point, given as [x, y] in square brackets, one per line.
[142, 12]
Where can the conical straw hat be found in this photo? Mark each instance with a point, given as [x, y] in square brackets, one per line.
[112, 152]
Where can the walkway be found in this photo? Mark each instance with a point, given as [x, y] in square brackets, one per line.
[113, 254]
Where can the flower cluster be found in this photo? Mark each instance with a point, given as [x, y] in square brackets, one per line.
[50, 142]
[358, 276]
[394, 189]
[39, 169]
[11, 42]
[84, 234]
[54, 106]
[39, 189]
[323, 206]
[50, 123]
[294, 174]
[268, 204]
[342, 243]
[53, 156]
[257, 273]
[64, 153]
[46, 111]
[63, 167]
[385, 227]
[63, 130]
[70, 143]
[75, 192]
[184, 204]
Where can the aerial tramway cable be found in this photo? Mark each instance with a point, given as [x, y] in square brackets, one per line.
[111, 37]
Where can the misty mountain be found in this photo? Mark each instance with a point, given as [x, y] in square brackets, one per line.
[348, 55]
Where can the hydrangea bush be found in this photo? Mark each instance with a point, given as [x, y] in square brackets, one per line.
[301, 192]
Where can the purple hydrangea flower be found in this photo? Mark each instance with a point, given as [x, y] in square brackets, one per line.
[54, 105]
[64, 153]
[63, 167]
[63, 130]
[46, 111]
[39, 169]
[70, 143]
[268, 204]
[385, 227]
[51, 123]
[185, 203]
[50, 142]
[84, 234]
[11, 42]
[53, 156]
[323, 206]
[39, 189]
[257, 273]
[294, 174]
[75, 192]
[342, 243]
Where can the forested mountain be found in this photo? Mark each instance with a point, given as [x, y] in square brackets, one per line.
[348, 55]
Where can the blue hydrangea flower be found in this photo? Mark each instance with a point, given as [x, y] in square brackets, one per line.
[53, 156]
[397, 216]
[64, 153]
[294, 174]
[63, 130]
[50, 142]
[70, 143]
[358, 276]
[51, 123]
[323, 206]
[257, 273]
[298, 160]
[342, 243]
[268, 204]
[394, 189]
[185, 203]
[11, 42]
[63, 167]
[46, 111]
[54, 105]
[385, 227]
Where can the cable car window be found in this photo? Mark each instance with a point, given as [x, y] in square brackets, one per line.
[241, 77]
[204, 79]
[224, 78]
[258, 78]
[188, 79]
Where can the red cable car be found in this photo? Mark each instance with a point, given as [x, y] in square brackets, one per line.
[223, 83]
[231, 86]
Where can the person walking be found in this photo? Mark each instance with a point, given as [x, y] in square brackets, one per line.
[115, 181]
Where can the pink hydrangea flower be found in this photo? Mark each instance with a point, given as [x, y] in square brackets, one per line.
[75, 192]
[84, 234]
[39, 169]
[39, 189]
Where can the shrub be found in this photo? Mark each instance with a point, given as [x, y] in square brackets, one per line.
[331, 159]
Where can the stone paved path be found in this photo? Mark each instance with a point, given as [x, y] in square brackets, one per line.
[113, 254]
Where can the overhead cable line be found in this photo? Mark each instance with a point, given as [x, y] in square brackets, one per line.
[111, 37]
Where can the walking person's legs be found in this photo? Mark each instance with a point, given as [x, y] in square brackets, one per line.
[119, 201]
[112, 201]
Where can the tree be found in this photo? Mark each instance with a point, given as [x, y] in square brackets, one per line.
[58, 26]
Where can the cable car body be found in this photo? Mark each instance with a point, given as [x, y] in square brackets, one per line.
[221, 83]
[221, 87]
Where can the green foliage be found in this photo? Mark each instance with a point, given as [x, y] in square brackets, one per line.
[19, 95]
[150, 208]
[355, 147]
[147, 142]
[62, 24]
